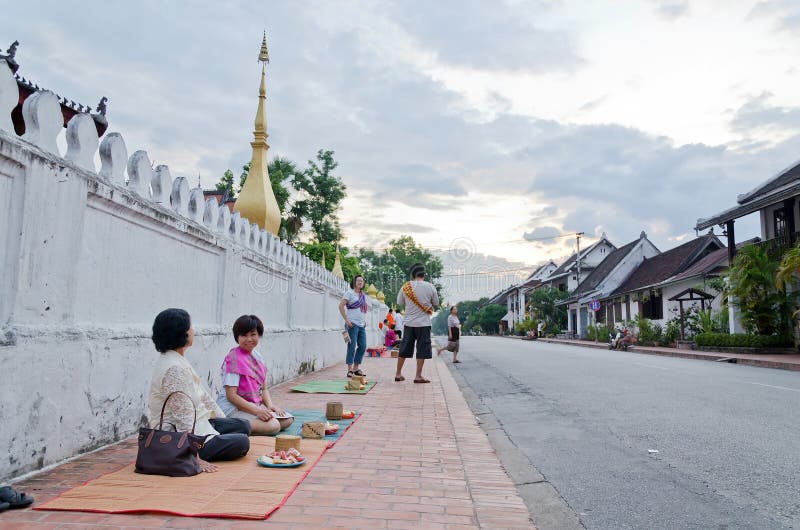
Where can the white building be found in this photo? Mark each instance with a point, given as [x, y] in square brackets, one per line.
[604, 280]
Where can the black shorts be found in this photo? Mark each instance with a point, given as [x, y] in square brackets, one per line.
[421, 336]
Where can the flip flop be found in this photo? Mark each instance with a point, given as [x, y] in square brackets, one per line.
[399, 378]
[359, 373]
[423, 380]
[456, 362]
[14, 499]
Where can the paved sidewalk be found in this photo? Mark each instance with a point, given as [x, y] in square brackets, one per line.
[416, 459]
[783, 361]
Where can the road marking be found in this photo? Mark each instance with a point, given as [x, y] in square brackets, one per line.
[652, 366]
[779, 387]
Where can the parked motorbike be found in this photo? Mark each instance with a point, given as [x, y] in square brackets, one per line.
[621, 341]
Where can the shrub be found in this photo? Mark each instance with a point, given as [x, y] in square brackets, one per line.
[599, 332]
[648, 332]
[741, 340]
[672, 331]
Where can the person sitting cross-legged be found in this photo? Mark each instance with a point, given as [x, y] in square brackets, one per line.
[244, 376]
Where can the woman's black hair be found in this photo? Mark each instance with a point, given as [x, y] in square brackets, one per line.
[452, 307]
[417, 270]
[245, 324]
[171, 329]
[353, 281]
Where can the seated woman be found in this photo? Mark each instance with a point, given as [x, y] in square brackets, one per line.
[390, 339]
[244, 391]
[226, 438]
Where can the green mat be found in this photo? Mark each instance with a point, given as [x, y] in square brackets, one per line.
[303, 416]
[330, 386]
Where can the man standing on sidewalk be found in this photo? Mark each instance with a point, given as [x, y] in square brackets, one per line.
[420, 299]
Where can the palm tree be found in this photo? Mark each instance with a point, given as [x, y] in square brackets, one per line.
[764, 308]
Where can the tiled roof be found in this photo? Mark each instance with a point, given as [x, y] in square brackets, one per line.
[603, 269]
[565, 266]
[658, 268]
[706, 264]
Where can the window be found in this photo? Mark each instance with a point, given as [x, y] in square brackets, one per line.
[653, 304]
[779, 223]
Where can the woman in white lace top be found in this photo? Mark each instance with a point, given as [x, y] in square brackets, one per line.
[226, 438]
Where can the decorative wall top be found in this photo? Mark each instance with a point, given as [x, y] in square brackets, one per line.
[69, 108]
[134, 174]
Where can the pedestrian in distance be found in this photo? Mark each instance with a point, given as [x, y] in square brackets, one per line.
[353, 308]
[453, 334]
[419, 299]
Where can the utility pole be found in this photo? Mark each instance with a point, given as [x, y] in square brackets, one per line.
[578, 259]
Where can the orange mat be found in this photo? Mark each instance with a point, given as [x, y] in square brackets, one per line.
[239, 490]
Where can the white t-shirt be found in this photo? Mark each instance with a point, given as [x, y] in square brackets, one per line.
[229, 379]
[398, 322]
[427, 296]
[356, 316]
[452, 321]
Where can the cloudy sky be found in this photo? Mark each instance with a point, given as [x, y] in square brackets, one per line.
[494, 128]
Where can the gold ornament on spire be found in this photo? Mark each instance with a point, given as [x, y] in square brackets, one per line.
[322, 261]
[263, 55]
[372, 291]
[337, 266]
[381, 297]
[257, 201]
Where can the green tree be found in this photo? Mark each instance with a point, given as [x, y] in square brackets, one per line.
[314, 251]
[389, 270]
[465, 309]
[282, 175]
[226, 183]
[542, 303]
[325, 193]
[763, 307]
[486, 319]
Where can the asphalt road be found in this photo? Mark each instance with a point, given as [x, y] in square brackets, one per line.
[575, 428]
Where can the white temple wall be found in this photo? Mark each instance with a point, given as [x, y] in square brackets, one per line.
[89, 258]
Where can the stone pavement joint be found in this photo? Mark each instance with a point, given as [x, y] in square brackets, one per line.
[416, 459]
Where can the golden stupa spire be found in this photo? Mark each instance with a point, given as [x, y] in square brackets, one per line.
[337, 266]
[256, 201]
[322, 261]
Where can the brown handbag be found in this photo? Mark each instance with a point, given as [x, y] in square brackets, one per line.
[169, 453]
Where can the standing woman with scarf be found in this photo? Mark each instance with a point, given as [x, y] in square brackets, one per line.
[353, 309]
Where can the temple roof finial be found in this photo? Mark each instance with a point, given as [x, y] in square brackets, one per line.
[256, 200]
[263, 54]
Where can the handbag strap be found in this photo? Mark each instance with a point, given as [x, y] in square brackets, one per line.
[164, 406]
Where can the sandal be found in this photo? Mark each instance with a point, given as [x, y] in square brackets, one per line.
[399, 378]
[4, 506]
[359, 373]
[14, 499]
[454, 362]
[421, 380]
[349, 374]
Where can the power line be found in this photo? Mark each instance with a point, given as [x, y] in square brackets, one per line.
[456, 248]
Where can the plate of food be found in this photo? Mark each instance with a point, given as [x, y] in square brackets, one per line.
[290, 458]
[348, 414]
[331, 428]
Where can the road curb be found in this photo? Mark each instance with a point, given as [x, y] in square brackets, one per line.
[763, 363]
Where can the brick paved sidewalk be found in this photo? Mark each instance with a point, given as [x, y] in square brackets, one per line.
[416, 459]
[783, 361]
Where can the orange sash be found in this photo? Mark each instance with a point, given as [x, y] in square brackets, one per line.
[409, 292]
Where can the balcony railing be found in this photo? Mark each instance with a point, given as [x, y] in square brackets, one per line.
[777, 247]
